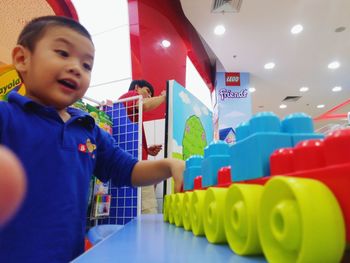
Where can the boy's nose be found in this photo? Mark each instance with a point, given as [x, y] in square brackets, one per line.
[74, 68]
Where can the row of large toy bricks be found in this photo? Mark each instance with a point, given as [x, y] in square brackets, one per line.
[287, 220]
[308, 154]
[257, 139]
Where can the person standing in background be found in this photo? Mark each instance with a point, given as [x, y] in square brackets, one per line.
[149, 102]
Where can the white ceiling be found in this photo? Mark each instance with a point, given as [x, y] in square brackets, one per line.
[260, 33]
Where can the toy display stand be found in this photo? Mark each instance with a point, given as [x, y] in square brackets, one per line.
[148, 239]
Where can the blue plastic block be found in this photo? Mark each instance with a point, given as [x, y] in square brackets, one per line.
[242, 131]
[193, 169]
[300, 127]
[297, 123]
[216, 156]
[250, 158]
[264, 122]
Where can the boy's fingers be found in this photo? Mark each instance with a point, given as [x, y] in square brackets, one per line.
[12, 184]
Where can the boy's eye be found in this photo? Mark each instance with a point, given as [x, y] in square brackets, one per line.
[87, 66]
[62, 53]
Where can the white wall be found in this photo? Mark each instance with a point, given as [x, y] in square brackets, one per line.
[108, 24]
[155, 134]
[196, 85]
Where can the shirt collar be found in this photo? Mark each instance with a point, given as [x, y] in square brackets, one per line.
[28, 104]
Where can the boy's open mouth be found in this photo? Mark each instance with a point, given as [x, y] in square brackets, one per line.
[68, 83]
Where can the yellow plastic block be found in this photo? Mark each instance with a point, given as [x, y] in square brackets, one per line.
[240, 218]
[186, 210]
[196, 212]
[213, 220]
[300, 221]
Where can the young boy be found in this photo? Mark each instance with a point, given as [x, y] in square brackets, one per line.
[54, 57]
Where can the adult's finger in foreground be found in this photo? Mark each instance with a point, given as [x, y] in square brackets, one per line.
[12, 184]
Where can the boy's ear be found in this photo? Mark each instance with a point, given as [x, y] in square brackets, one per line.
[20, 58]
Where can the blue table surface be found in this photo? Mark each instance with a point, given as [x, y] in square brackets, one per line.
[149, 239]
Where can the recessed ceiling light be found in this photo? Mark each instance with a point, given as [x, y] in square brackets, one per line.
[166, 43]
[283, 106]
[334, 65]
[252, 89]
[320, 106]
[296, 29]
[219, 30]
[337, 88]
[269, 65]
[303, 89]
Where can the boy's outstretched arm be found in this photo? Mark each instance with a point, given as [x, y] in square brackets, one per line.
[152, 172]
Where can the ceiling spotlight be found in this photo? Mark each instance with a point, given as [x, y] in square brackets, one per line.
[219, 30]
[252, 89]
[320, 106]
[334, 65]
[166, 43]
[269, 65]
[283, 106]
[337, 88]
[303, 89]
[296, 29]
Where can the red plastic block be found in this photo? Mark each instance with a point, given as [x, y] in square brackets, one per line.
[198, 183]
[224, 177]
[281, 161]
[337, 147]
[260, 181]
[309, 154]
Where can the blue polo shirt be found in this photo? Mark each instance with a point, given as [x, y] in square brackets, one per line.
[59, 159]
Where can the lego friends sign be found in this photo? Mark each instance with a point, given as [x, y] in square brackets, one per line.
[232, 101]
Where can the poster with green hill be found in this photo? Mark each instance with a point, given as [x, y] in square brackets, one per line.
[189, 123]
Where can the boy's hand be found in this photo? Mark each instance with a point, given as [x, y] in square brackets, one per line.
[12, 184]
[153, 150]
[177, 168]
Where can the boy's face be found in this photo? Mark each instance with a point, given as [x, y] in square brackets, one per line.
[145, 92]
[57, 73]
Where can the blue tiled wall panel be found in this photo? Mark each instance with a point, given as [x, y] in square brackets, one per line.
[124, 199]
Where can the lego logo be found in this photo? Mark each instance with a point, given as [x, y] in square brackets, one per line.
[232, 79]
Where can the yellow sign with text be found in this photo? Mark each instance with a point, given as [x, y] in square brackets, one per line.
[9, 80]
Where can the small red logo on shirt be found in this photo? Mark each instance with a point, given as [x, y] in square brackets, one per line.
[82, 147]
[88, 147]
[232, 79]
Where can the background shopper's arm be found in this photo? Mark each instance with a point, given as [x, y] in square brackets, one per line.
[152, 172]
[152, 103]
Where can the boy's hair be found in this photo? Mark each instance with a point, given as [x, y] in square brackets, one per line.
[141, 83]
[36, 28]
